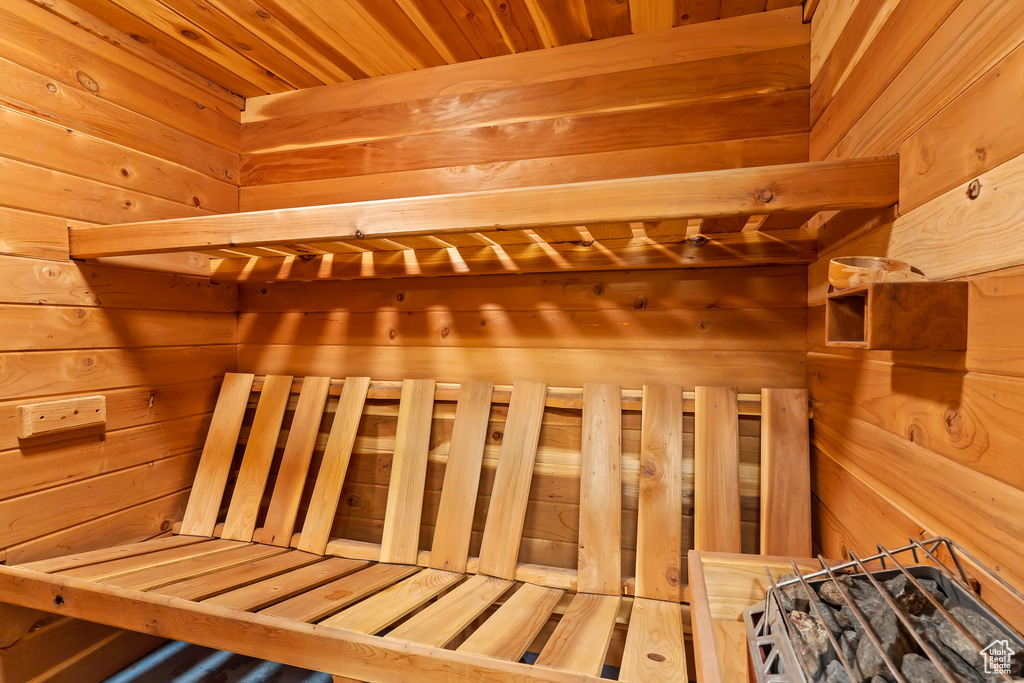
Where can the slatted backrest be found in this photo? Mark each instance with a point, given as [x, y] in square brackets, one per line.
[291, 474]
[454, 526]
[659, 536]
[259, 455]
[716, 471]
[323, 504]
[215, 464]
[600, 535]
[785, 473]
[400, 541]
[506, 514]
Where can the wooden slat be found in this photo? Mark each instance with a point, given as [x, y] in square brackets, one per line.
[291, 474]
[719, 250]
[259, 454]
[147, 579]
[794, 187]
[400, 541]
[515, 624]
[269, 591]
[202, 587]
[659, 517]
[314, 605]
[386, 607]
[450, 550]
[58, 564]
[654, 643]
[215, 464]
[716, 476]
[580, 641]
[111, 568]
[507, 512]
[442, 621]
[600, 531]
[785, 474]
[329, 650]
[323, 505]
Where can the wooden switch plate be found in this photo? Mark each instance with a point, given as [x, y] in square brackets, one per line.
[927, 316]
[37, 419]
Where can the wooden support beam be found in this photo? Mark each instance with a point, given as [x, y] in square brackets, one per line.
[861, 183]
[719, 250]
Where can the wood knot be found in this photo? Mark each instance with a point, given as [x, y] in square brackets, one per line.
[197, 201]
[87, 82]
[598, 290]
[648, 470]
[229, 175]
[655, 657]
[52, 87]
[139, 39]
[80, 313]
[640, 304]
[354, 500]
[764, 195]
[243, 46]
[166, 525]
[360, 235]
[445, 332]
[263, 290]
[125, 172]
[392, 333]
[702, 325]
[263, 14]
[58, 601]
[974, 189]
[191, 35]
[400, 297]
[953, 421]
[497, 436]
[696, 241]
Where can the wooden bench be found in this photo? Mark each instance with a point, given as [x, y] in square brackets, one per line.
[254, 568]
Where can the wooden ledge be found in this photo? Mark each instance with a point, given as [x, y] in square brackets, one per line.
[826, 185]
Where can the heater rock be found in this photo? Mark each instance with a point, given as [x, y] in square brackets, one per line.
[830, 593]
[918, 669]
[834, 673]
[980, 628]
[811, 642]
[887, 629]
[906, 594]
[793, 597]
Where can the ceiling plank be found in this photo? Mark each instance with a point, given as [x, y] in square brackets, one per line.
[608, 18]
[651, 15]
[760, 190]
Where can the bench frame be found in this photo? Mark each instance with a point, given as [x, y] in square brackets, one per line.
[658, 587]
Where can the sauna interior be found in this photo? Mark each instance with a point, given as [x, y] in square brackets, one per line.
[594, 235]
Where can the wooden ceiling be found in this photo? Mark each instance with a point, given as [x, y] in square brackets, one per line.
[255, 47]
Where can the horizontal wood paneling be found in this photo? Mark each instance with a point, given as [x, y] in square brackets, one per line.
[32, 234]
[936, 81]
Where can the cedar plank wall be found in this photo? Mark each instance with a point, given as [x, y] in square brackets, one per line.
[677, 110]
[915, 442]
[91, 134]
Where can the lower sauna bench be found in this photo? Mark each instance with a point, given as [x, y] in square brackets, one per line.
[304, 542]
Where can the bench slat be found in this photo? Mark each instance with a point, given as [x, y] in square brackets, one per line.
[218, 452]
[580, 641]
[58, 564]
[106, 570]
[291, 474]
[259, 455]
[503, 531]
[511, 629]
[323, 505]
[400, 541]
[439, 623]
[325, 600]
[454, 525]
[154, 577]
[202, 587]
[385, 608]
[659, 536]
[785, 473]
[274, 590]
[600, 534]
[655, 628]
[716, 471]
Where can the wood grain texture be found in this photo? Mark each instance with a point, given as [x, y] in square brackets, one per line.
[655, 628]
[600, 534]
[445, 619]
[203, 586]
[797, 187]
[580, 641]
[450, 550]
[515, 624]
[24, 233]
[280, 588]
[785, 522]
[260, 447]
[716, 471]
[291, 473]
[659, 520]
[330, 598]
[500, 545]
[48, 417]
[384, 608]
[333, 467]
[400, 542]
[208, 489]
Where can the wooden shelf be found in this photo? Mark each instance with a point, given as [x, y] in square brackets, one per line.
[927, 316]
[550, 212]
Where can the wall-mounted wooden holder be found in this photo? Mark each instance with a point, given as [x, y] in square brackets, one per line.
[929, 316]
[37, 419]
